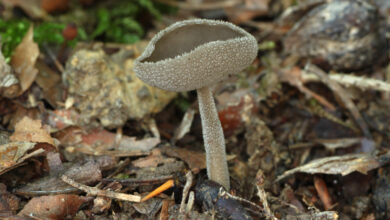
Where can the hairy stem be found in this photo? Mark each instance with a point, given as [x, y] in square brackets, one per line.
[214, 140]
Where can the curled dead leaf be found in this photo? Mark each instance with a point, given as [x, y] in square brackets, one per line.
[53, 207]
[343, 165]
[23, 61]
[31, 130]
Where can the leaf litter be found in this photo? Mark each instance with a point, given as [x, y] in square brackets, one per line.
[306, 126]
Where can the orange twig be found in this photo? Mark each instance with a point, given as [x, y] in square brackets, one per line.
[323, 193]
[168, 184]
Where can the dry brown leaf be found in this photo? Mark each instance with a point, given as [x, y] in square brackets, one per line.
[107, 140]
[185, 125]
[9, 203]
[23, 60]
[31, 130]
[294, 78]
[103, 142]
[149, 208]
[61, 118]
[344, 97]
[343, 165]
[13, 154]
[9, 84]
[195, 160]
[54, 6]
[49, 81]
[53, 207]
[247, 11]
[31, 7]
[86, 173]
[153, 160]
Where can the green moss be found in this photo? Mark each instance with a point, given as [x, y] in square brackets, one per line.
[12, 33]
[114, 22]
[119, 22]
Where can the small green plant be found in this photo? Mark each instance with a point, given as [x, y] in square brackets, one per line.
[117, 23]
[49, 32]
[120, 24]
[13, 31]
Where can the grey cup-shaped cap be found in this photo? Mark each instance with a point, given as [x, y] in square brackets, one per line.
[192, 54]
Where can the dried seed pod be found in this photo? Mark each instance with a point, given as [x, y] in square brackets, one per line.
[341, 35]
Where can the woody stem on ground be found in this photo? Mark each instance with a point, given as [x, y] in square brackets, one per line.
[214, 141]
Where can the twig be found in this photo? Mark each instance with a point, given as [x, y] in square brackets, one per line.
[139, 182]
[293, 77]
[164, 209]
[54, 58]
[98, 192]
[167, 185]
[184, 126]
[223, 192]
[186, 189]
[350, 80]
[343, 95]
[323, 193]
[260, 178]
[190, 203]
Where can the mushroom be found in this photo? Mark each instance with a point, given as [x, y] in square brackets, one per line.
[194, 55]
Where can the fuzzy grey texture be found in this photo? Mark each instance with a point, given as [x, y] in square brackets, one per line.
[196, 53]
[214, 141]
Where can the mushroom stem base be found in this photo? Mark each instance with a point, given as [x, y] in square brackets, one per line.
[214, 140]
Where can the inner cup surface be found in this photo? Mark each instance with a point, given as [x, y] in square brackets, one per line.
[186, 38]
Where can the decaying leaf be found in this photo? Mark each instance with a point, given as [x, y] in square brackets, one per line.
[23, 60]
[185, 125]
[61, 118]
[153, 160]
[248, 10]
[195, 160]
[343, 165]
[31, 130]
[87, 173]
[9, 203]
[9, 84]
[31, 7]
[53, 207]
[149, 208]
[294, 78]
[13, 154]
[49, 80]
[103, 142]
[333, 144]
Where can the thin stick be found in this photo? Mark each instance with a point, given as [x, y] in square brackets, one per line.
[98, 192]
[186, 189]
[167, 185]
[344, 97]
[349, 80]
[260, 178]
[190, 203]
